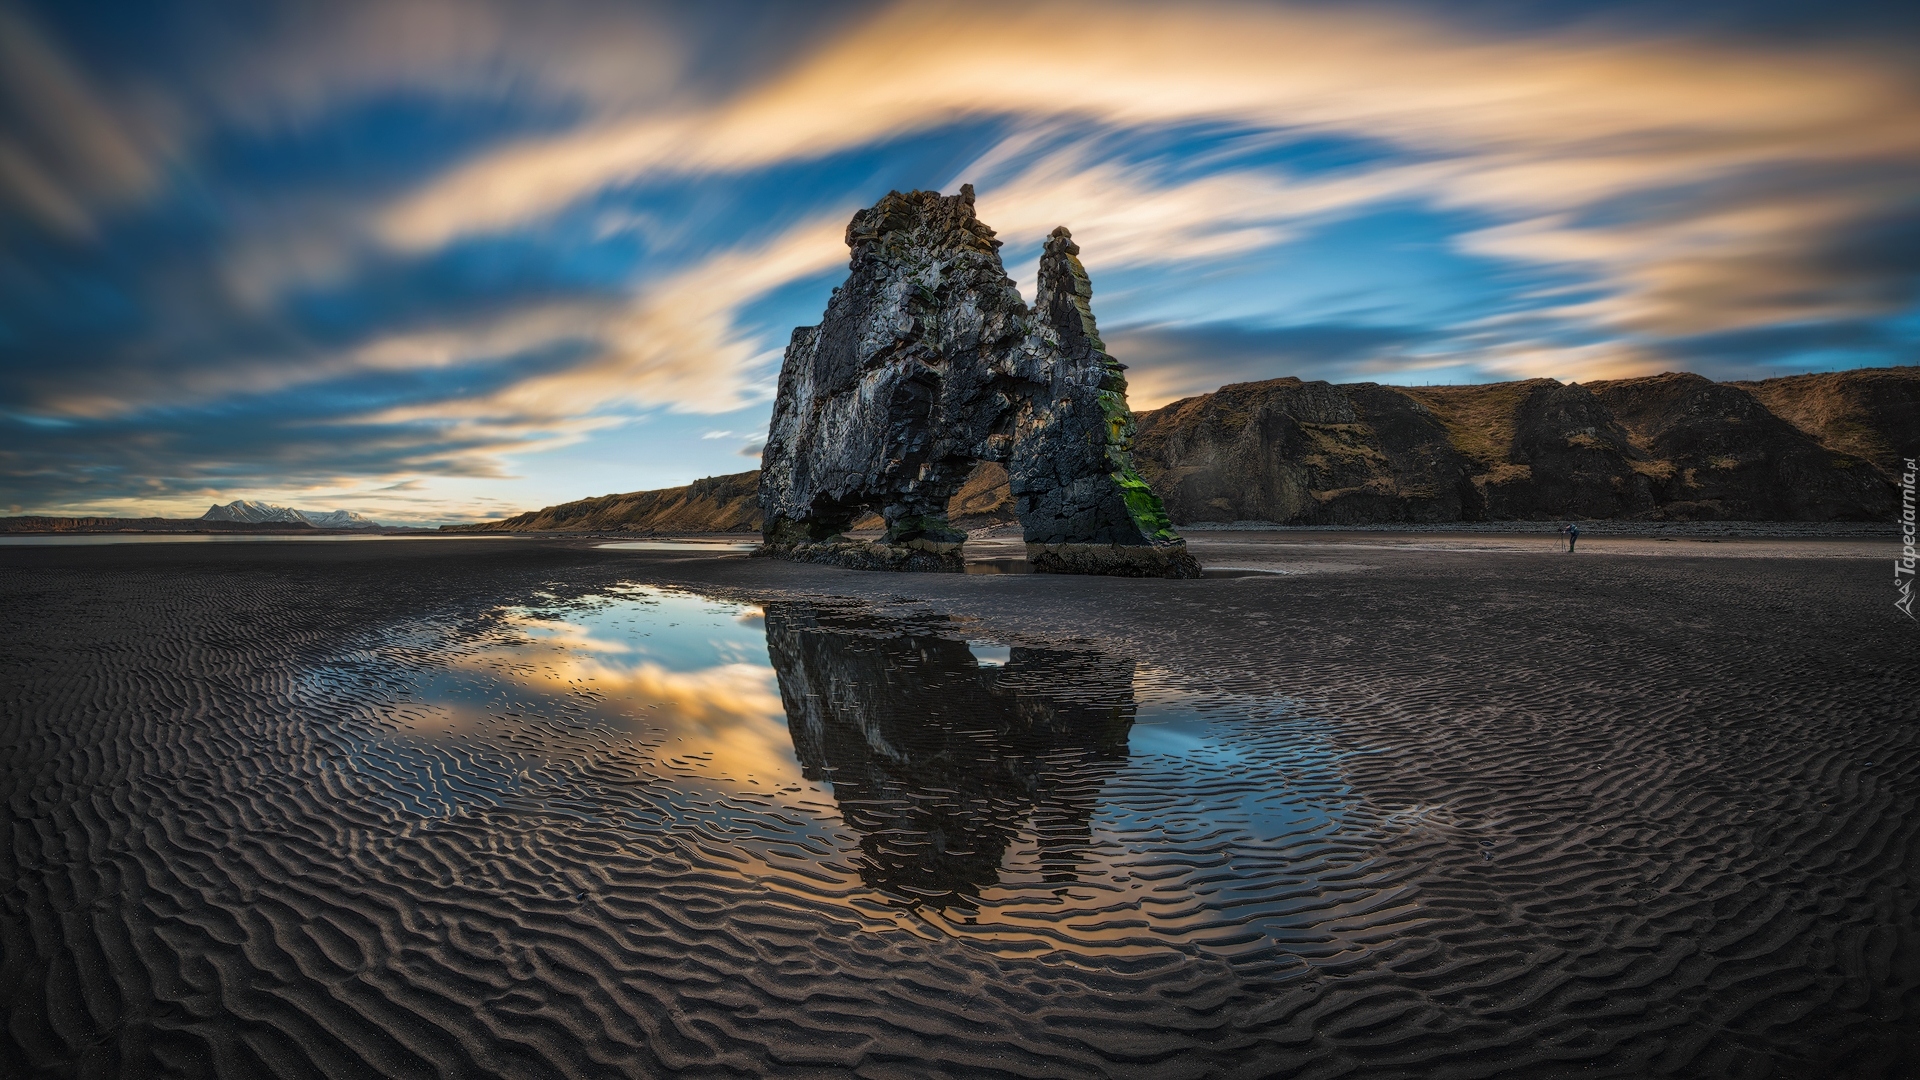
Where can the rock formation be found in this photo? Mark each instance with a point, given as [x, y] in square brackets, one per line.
[1821, 447]
[715, 504]
[1871, 413]
[1664, 447]
[926, 364]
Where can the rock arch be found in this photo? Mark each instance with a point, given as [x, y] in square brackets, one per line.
[926, 362]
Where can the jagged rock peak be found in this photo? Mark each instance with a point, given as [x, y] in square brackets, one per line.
[926, 363]
[1065, 298]
[923, 222]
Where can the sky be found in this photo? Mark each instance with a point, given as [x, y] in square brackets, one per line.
[443, 261]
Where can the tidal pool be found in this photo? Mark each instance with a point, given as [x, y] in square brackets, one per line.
[1060, 798]
[825, 831]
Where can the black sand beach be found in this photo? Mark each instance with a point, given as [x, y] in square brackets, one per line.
[1648, 810]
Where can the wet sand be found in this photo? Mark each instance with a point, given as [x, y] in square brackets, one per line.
[1646, 810]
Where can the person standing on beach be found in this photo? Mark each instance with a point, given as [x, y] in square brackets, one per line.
[1573, 535]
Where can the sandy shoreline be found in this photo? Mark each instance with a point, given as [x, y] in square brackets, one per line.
[1644, 810]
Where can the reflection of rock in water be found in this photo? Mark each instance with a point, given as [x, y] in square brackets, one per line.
[937, 761]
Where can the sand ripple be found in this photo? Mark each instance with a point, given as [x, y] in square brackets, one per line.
[576, 827]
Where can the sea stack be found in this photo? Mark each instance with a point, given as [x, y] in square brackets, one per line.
[927, 362]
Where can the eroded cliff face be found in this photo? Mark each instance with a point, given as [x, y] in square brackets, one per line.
[1287, 450]
[1666, 447]
[1721, 454]
[1871, 413]
[1821, 447]
[928, 363]
[714, 504]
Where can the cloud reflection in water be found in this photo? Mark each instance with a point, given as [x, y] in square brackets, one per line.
[896, 775]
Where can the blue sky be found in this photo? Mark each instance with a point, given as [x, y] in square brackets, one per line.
[438, 261]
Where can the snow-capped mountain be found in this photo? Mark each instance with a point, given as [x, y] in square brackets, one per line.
[257, 513]
[337, 519]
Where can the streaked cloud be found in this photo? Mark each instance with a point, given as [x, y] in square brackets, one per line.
[678, 345]
[1737, 146]
[393, 250]
[64, 150]
[1172, 362]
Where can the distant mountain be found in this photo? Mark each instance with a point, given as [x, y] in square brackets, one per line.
[337, 519]
[43, 524]
[716, 504]
[727, 504]
[259, 513]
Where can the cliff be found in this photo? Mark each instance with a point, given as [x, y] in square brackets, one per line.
[1667, 447]
[716, 504]
[728, 504]
[1821, 447]
[1871, 413]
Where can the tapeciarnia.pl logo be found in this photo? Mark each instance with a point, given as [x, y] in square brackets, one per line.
[1903, 566]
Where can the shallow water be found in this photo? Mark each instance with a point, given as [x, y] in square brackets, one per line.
[690, 547]
[1036, 800]
[813, 836]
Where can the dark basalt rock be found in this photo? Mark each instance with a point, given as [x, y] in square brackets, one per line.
[927, 363]
[1727, 456]
[1661, 447]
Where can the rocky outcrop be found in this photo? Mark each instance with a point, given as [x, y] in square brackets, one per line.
[1871, 413]
[1666, 447]
[928, 363]
[714, 504]
[1287, 450]
[1719, 454]
[1082, 507]
[1821, 447]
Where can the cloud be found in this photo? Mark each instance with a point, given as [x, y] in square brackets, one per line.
[1170, 362]
[261, 412]
[1729, 262]
[678, 345]
[63, 148]
[1765, 352]
[376, 240]
[1134, 215]
[243, 366]
[314, 57]
[1537, 129]
[1408, 80]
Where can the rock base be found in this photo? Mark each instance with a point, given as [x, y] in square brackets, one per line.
[866, 555]
[1114, 560]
